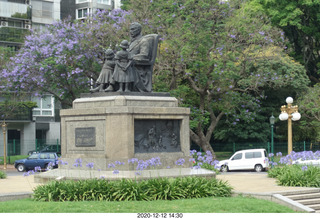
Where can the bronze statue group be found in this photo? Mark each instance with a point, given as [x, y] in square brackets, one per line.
[130, 69]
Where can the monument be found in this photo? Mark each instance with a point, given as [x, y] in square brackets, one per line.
[121, 118]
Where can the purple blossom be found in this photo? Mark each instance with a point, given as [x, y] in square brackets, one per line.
[90, 165]
[111, 165]
[279, 154]
[116, 172]
[180, 162]
[78, 163]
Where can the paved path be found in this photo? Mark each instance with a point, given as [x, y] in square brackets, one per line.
[248, 182]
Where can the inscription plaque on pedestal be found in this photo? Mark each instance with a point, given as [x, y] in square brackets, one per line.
[156, 135]
[85, 137]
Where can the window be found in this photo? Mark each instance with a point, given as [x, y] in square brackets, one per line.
[83, 13]
[52, 156]
[250, 155]
[33, 156]
[257, 154]
[237, 157]
[45, 106]
[15, 24]
[43, 156]
[105, 2]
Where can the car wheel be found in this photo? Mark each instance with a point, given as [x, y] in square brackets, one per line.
[224, 168]
[258, 168]
[21, 168]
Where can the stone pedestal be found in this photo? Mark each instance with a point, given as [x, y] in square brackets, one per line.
[107, 127]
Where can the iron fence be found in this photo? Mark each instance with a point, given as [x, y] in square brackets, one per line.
[277, 146]
[14, 145]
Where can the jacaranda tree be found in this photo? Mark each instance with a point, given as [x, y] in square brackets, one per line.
[63, 58]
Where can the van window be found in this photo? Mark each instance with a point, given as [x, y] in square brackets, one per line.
[43, 156]
[237, 157]
[257, 154]
[249, 155]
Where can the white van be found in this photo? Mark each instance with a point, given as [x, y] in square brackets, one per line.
[253, 159]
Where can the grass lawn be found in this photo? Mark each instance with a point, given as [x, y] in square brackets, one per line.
[203, 205]
[12, 159]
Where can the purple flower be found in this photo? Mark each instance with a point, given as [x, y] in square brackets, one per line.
[111, 165]
[180, 162]
[279, 154]
[116, 172]
[133, 160]
[37, 169]
[90, 165]
[271, 155]
[119, 163]
[78, 163]
[304, 168]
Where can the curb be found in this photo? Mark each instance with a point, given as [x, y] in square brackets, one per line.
[14, 196]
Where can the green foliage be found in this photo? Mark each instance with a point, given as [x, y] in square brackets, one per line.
[309, 107]
[296, 175]
[129, 190]
[14, 106]
[300, 22]
[3, 175]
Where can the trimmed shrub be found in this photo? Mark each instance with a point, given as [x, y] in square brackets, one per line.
[131, 190]
[296, 175]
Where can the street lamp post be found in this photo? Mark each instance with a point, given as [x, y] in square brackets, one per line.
[272, 120]
[289, 113]
[4, 131]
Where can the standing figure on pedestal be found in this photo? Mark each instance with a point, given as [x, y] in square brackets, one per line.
[123, 70]
[143, 50]
[106, 75]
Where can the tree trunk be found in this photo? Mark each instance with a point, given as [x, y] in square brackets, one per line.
[202, 142]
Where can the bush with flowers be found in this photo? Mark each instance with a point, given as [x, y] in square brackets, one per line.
[288, 173]
[128, 189]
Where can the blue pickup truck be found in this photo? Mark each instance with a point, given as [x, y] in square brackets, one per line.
[42, 160]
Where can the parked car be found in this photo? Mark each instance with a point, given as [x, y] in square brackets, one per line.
[307, 162]
[42, 160]
[253, 159]
[48, 148]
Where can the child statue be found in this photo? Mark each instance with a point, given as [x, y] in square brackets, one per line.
[123, 70]
[106, 75]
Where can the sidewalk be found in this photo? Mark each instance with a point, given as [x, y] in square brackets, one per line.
[16, 184]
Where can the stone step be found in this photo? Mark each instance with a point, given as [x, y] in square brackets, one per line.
[310, 201]
[315, 206]
[304, 196]
[302, 191]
